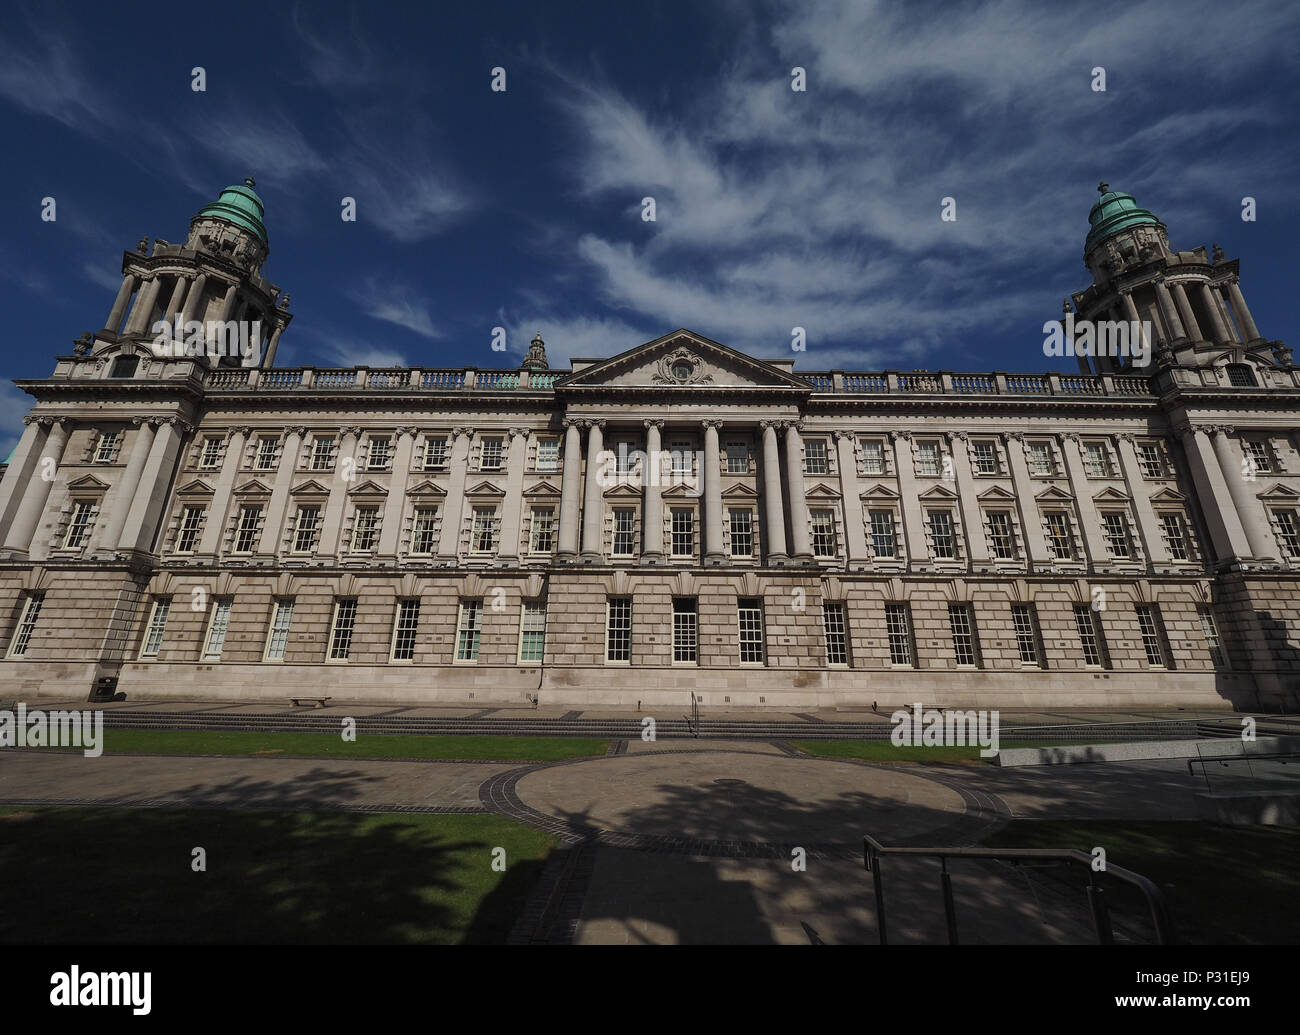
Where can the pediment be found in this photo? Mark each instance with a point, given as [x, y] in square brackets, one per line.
[821, 492]
[485, 489]
[1111, 495]
[740, 491]
[692, 491]
[195, 487]
[368, 488]
[1280, 492]
[684, 360]
[622, 491]
[1168, 495]
[252, 487]
[427, 488]
[996, 492]
[879, 492]
[311, 487]
[542, 489]
[1054, 494]
[938, 492]
[87, 483]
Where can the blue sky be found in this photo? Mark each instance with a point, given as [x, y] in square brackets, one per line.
[522, 208]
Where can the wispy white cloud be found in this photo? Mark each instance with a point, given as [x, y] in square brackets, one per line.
[393, 304]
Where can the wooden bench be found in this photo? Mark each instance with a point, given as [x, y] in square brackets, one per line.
[316, 702]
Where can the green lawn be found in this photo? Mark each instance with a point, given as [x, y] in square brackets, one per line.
[885, 751]
[83, 875]
[1231, 885]
[331, 745]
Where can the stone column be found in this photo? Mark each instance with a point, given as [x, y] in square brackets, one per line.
[1246, 321]
[145, 514]
[570, 490]
[144, 303]
[1217, 326]
[177, 299]
[1254, 521]
[1225, 314]
[773, 505]
[592, 499]
[1168, 312]
[36, 488]
[210, 541]
[454, 505]
[190, 310]
[909, 503]
[1093, 540]
[712, 477]
[1190, 324]
[855, 533]
[120, 303]
[22, 465]
[269, 360]
[800, 541]
[513, 504]
[273, 527]
[1226, 531]
[977, 547]
[110, 530]
[1031, 521]
[652, 521]
[1153, 543]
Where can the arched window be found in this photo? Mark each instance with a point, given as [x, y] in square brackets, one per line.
[1241, 376]
[125, 366]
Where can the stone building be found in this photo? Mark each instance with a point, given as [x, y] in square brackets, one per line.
[677, 518]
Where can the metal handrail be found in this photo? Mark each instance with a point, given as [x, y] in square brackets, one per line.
[873, 850]
[1229, 759]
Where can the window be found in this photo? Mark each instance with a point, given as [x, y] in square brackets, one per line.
[898, 623]
[264, 459]
[218, 624]
[278, 637]
[26, 625]
[404, 628]
[873, 456]
[1152, 635]
[624, 458]
[548, 454]
[1258, 455]
[883, 541]
[742, 532]
[927, 459]
[105, 447]
[737, 458]
[543, 529]
[814, 456]
[1175, 535]
[1060, 537]
[1151, 459]
[83, 511]
[1211, 633]
[424, 530]
[493, 451]
[685, 630]
[187, 536]
[835, 627]
[210, 457]
[1041, 462]
[435, 452]
[1114, 526]
[624, 544]
[468, 630]
[125, 366]
[345, 618]
[961, 620]
[618, 629]
[1093, 641]
[1288, 532]
[984, 458]
[381, 453]
[943, 544]
[483, 534]
[322, 452]
[749, 613]
[822, 526]
[683, 532]
[305, 528]
[365, 526]
[250, 520]
[681, 454]
[532, 631]
[1001, 537]
[1025, 619]
[1096, 460]
[154, 630]
[1241, 376]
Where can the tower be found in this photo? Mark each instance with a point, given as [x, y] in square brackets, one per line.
[536, 357]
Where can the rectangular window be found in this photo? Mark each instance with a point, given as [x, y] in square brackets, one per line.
[80, 525]
[26, 625]
[1258, 455]
[246, 532]
[106, 446]
[1152, 635]
[493, 452]
[1211, 633]
[1151, 460]
[404, 629]
[683, 532]
[435, 452]
[737, 458]
[211, 455]
[742, 532]
[1025, 619]
[1096, 460]
[187, 536]
[961, 621]
[277, 639]
[749, 613]
[898, 623]
[483, 534]
[154, 630]
[1288, 532]
[822, 525]
[532, 632]
[624, 544]
[1088, 623]
[380, 454]
[835, 627]
[883, 542]
[984, 457]
[305, 529]
[218, 624]
[927, 459]
[1041, 462]
[424, 530]
[365, 528]
[265, 457]
[814, 456]
[1114, 526]
[943, 544]
[345, 619]
[1172, 528]
[873, 456]
[1001, 537]
[322, 452]
[469, 629]
[543, 529]
[548, 454]
[624, 460]
[618, 629]
[685, 630]
[1060, 537]
[681, 454]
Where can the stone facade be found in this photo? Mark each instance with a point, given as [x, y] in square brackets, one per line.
[680, 518]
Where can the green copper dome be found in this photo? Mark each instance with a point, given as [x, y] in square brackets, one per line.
[240, 205]
[1112, 212]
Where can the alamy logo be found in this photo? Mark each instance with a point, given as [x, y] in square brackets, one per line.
[1117, 338]
[215, 339]
[923, 727]
[93, 988]
[664, 468]
[58, 728]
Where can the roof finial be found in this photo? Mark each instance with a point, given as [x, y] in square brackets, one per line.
[249, 181]
[1103, 187]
